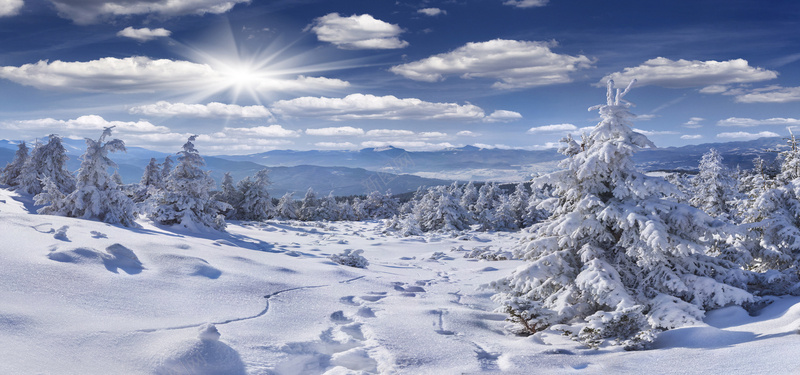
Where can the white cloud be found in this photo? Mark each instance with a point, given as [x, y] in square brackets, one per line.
[645, 117]
[556, 128]
[655, 132]
[357, 32]
[467, 133]
[10, 7]
[340, 131]
[515, 64]
[429, 135]
[526, 3]
[213, 109]
[390, 133]
[749, 122]
[684, 73]
[144, 34]
[272, 131]
[142, 74]
[85, 12]
[337, 146]
[714, 89]
[772, 94]
[694, 123]
[691, 136]
[408, 145]
[365, 106]
[431, 11]
[502, 115]
[88, 122]
[746, 135]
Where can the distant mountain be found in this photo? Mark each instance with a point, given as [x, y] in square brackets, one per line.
[358, 172]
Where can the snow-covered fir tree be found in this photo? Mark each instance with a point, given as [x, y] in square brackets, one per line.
[468, 198]
[379, 206]
[46, 161]
[519, 204]
[10, 174]
[286, 208]
[505, 217]
[328, 208]
[150, 183]
[712, 186]
[308, 206]
[229, 194]
[166, 169]
[790, 161]
[255, 202]
[438, 210]
[616, 260]
[96, 195]
[186, 200]
[484, 209]
[346, 211]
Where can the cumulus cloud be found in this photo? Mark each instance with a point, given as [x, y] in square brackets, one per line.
[336, 145]
[271, 131]
[693, 123]
[467, 133]
[502, 115]
[772, 94]
[526, 3]
[691, 136]
[144, 34]
[88, 122]
[390, 133]
[714, 89]
[749, 122]
[515, 64]
[408, 145]
[555, 128]
[90, 11]
[357, 32]
[746, 135]
[655, 132]
[684, 73]
[431, 11]
[213, 109]
[143, 74]
[10, 7]
[365, 106]
[336, 131]
[429, 135]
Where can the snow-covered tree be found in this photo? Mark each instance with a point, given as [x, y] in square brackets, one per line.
[328, 208]
[615, 254]
[10, 174]
[346, 211]
[468, 197]
[438, 210]
[96, 195]
[166, 169]
[46, 161]
[229, 194]
[380, 206]
[712, 186]
[150, 183]
[255, 202]
[505, 217]
[286, 208]
[790, 161]
[186, 199]
[308, 206]
[519, 204]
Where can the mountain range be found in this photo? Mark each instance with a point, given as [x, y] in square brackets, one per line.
[362, 171]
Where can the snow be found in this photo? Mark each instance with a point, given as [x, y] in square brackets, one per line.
[86, 297]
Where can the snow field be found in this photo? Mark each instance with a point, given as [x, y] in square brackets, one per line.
[84, 297]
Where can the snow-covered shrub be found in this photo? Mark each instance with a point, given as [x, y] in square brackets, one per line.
[351, 258]
[614, 243]
[186, 199]
[96, 195]
[486, 253]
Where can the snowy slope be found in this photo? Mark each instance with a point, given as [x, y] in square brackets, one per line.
[82, 297]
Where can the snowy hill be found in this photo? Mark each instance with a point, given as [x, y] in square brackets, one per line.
[266, 299]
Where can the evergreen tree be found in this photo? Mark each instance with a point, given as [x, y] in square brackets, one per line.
[229, 194]
[46, 161]
[166, 169]
[255, 202]
[150, 183]
[712, 186]
[286, 208]
[615, 253]
[96, 195]
[308, 206]
[469, 197]
[10, 174]
[186, 199]
[519, 204]
[328, 208]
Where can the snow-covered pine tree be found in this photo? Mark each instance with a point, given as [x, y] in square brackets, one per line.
[505, 217]
[255, 202]
[229, 194]
[790, 161]
[519, 204]
[438, 210]
[46, 161]
[308, 206]
[96, 195]
[468, 198]
[150, 183]
[616, 254]
[166, 169]
[286, 208]
[328, 208]
[186, 199]
[712, 187]
[346, 211]
[488, 199]
[10, 174]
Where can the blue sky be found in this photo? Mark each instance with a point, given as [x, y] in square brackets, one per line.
[253, 76]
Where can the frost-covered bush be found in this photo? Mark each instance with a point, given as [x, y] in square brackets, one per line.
[351, 258]
[614, 244]
[486, 253]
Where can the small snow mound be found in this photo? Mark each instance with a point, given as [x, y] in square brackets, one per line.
[700, 336]
[175, 264]
[116, 257]
[356, 359]
[61, 234]
[208, 332]
[352, 258]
